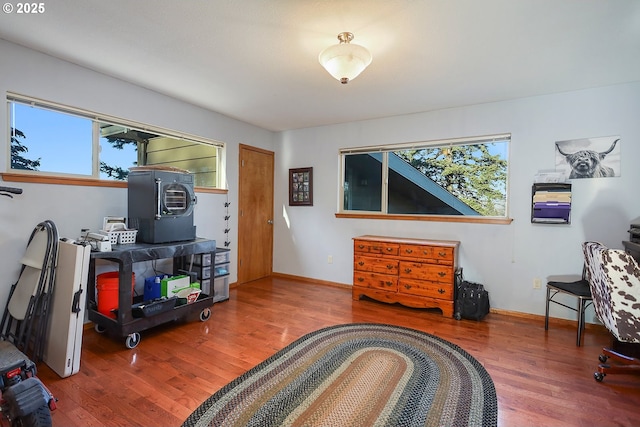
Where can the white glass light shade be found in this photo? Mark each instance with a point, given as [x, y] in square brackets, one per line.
[345, 61]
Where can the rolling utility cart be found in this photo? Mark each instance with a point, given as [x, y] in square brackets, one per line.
[125, 323]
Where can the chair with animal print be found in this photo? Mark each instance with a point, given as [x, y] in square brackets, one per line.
[614, 278]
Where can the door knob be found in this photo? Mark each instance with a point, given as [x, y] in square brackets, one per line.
[270, 221]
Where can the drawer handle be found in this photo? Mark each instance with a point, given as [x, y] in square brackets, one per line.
[409, 251]
[389, 249]
[407, 286]
[360, 246]
[407, 270]
[441, 291]
[442, 254]
[360, 279]
[442, 273]
[390, 266]
[361, 263]
[388, 283]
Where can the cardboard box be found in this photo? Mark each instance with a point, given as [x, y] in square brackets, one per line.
[170, 284]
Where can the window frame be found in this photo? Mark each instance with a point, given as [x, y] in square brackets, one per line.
[17, 175]
[387, 148]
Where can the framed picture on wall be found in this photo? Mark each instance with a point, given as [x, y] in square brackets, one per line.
[301, 187]
[589, 157]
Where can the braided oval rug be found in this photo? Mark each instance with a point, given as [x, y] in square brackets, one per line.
[358, 374]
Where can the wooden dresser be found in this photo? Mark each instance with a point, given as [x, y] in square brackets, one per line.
[413, 272]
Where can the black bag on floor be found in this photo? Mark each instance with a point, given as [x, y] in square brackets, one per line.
[472, 301]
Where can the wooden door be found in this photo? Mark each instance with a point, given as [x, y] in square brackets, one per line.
[255, 214]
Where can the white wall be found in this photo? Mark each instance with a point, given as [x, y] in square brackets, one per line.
[505, 258]
[72, 208]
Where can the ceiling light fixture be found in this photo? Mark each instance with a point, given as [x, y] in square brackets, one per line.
[345, 61]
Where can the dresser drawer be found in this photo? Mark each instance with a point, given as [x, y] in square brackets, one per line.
[416, 251]
[363, 246]
[426, 271]
[375, 281]
[426, 288]
[443, 255]
[376, 265]
[434, 254]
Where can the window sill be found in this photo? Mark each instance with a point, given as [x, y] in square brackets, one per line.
[85, 182]
[435, 218]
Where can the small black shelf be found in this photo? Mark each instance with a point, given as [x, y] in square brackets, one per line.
[551, 203]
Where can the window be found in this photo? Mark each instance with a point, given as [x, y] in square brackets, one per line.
[462, 177]
[50, 139]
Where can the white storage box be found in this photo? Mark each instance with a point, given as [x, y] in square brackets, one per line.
[205, 285]
[221, 289]
[222, 256]
[203, 260]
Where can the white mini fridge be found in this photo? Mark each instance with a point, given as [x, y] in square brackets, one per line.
[64, 337]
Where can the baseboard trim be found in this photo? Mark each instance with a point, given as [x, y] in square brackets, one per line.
[310, 280]
[552, 320]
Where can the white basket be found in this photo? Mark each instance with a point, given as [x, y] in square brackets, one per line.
[118, 234]
[122, 237]
[113, 236]
[126, 237]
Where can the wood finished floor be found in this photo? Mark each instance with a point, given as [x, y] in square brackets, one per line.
[541, 378]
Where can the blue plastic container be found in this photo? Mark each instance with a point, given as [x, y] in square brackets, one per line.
[152, 287]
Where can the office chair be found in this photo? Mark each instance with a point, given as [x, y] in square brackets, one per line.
[614, 278]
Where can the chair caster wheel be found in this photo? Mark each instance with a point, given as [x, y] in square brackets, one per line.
[457, 316]
[599, 376]
[603, 358]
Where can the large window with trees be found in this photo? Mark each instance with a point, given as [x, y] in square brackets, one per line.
[51, 139]
[458, 177]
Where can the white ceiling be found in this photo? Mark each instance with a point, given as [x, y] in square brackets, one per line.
[256, 60]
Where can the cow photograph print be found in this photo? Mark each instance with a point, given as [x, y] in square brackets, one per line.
[589, 157]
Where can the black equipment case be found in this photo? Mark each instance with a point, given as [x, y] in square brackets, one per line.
[472, 300]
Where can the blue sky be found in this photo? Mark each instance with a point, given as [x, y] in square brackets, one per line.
[62, 142]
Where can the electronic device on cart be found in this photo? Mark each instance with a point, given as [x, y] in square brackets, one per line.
[160, 203]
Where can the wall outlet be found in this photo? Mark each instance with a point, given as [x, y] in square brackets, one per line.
[330, 259]
[537, 283]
